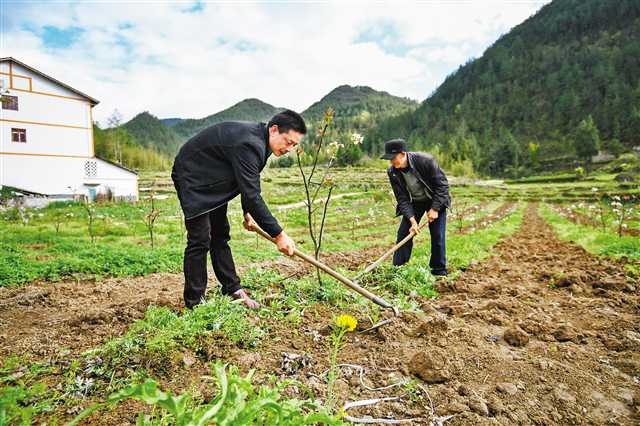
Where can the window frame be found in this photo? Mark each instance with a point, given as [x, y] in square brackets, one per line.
[15, 135]
[12, 100]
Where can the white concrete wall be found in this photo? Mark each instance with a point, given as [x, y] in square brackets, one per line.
[46, 140]
[42, 174]
[59, 175]
[49, 110]
[55, 125]
[122, 183]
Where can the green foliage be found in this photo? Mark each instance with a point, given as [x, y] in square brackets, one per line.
[152, 340]
[505, 155]
[55, 244]
[18, 404]
[356, 107]
[283, 162]
[534, 149]
[117, 146]
[473, 247]
[403, 280]
[348, 155]
[17, 266]
[237, 402]
[462, 168]
[21, 397]
[613, 146]
[587, 139]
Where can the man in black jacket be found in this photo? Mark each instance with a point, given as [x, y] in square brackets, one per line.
[211, 169]
[420, 186]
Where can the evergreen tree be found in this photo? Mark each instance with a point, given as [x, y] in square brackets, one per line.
[587, 139]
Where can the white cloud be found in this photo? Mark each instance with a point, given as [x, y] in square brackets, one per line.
[151, 56]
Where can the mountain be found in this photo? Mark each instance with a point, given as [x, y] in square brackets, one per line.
[247, 110]
[171, 121]
[350, 102]
[356, 108]
[530, 91]
[149, 132]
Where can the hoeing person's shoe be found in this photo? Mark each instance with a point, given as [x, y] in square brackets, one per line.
[244, 296]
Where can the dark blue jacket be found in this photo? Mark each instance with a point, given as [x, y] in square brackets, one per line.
[429, 174]
[219, 163]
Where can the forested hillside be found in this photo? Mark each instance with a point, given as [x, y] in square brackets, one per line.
[146, 142]
[118, 146]
[356, 110]
[150, 132]
[573, 67]
[247, 110]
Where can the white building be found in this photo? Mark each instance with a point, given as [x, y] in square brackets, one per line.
[46, 139]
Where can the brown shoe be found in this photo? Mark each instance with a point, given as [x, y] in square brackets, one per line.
[244, 296]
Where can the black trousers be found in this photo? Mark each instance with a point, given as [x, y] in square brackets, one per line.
[437, 229]
[208, 233]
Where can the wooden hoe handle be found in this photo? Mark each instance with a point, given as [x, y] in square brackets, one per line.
[338, 276]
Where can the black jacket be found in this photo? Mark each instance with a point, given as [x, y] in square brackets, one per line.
[429, 174]
[219, 163]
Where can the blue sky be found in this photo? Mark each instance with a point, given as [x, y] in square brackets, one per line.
[192, 59]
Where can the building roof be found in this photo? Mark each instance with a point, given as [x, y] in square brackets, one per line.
[116, 164]
[40, 73]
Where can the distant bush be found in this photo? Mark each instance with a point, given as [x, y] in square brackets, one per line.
[282, 162]
[462, 168]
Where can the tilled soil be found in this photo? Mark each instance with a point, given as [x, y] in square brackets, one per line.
[541, 333]
[499, 214]
[43, 319]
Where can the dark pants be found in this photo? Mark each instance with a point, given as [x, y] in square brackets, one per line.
[208, 233]
[437, 228]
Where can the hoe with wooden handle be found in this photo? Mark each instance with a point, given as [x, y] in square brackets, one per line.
[388, 253]
[344, 280]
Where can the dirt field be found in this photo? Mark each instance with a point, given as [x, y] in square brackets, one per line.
[541, 333]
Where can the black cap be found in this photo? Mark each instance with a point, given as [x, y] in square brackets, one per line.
[393, 147]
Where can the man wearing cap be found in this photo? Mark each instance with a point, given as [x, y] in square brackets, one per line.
[211, 169]
[420, 187]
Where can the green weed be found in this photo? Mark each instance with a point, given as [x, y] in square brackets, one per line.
[238, 402]
[152, 340]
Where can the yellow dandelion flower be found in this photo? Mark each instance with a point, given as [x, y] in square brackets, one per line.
[347, 321]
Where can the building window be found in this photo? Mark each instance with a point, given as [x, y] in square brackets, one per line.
[90, 169]
[10, 102]
[19, 135]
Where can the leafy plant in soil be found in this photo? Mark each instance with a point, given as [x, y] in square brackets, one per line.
[238, 402]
